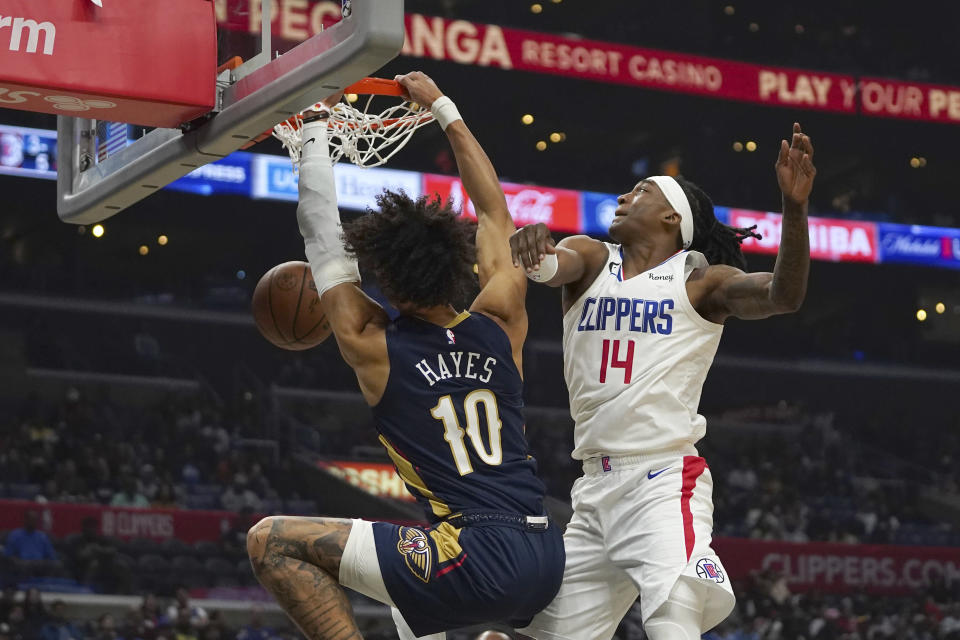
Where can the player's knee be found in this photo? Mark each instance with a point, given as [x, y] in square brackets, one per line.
[257, 539]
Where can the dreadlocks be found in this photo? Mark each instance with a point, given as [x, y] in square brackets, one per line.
[420, 251]
[718, 242]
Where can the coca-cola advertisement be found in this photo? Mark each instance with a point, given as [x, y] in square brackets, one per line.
[559, 209]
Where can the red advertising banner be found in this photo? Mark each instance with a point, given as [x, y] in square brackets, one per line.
[76, 58]
[483, 45]
[490, 45]
[830, 239]
[894, 99]
[882, 569]
[377, 478]
[559, 209]
[61, 519]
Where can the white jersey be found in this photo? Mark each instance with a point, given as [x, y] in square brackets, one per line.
[636, 354]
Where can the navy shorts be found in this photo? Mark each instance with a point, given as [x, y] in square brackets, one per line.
[443, 577]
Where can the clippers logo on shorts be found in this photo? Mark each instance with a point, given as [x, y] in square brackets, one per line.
[416, 551]
[709, 570]
[605, 463]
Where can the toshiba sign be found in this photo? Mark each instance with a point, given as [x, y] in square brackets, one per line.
[830, 239]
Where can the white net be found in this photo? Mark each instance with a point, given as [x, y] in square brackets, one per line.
[365, 139]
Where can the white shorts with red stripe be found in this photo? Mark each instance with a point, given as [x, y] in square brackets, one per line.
[639, 523]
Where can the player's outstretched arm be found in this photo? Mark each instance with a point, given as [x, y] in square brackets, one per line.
[356, 320]
[502, 288]
[752, 296]
[532, 249]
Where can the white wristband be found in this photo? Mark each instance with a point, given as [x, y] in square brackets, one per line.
[445, 112]
[548, 268]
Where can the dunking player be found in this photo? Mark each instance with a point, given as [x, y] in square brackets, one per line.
[446, 391]
[641, 323]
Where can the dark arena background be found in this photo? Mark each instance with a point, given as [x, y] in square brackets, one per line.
[145, 424]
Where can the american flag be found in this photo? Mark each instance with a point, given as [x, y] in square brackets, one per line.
[111, 137]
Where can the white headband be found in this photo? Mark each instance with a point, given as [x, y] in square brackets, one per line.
[678, 200]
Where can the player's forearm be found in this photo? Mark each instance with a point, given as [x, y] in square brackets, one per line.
[789, 286]
[318, 215]
[477, 173]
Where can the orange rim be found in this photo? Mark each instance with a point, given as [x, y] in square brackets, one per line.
[376, 86]
[367, 86]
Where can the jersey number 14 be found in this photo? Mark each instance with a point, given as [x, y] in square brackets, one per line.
[454, 434]
[613, 356]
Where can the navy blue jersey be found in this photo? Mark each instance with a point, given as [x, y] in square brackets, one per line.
[451, 418]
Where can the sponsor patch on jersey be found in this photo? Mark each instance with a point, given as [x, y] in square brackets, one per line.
[416, 551]
[710, 570]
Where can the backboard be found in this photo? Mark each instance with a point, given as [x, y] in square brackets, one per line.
[276, 80]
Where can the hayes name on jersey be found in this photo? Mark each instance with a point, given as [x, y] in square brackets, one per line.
[457, 364]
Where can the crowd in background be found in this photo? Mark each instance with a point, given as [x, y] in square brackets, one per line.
[26, 617]
[767, 610]
[162, 455]
[813, 478]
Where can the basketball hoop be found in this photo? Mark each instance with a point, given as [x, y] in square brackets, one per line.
[366, 139]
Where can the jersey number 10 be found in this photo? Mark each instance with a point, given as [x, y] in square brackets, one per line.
[453, 433]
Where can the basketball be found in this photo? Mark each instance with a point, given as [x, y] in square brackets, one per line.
[286, 307]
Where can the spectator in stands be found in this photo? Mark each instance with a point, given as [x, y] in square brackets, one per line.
[7, 601]
[134, 627]
[29, 549]
[149, 483]
[96, 559]
[150, 610]
[128, 495]
[196, 615]
[215, 629]
[16, 624]
[742, 477]
[255, 629]
[238, 496]
[106, 628]
[58, 627]
[34, 613]
[184, 628]
[233, 542]
[165, 498]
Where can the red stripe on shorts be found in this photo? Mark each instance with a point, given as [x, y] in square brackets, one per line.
[693, 467]
[451, 567]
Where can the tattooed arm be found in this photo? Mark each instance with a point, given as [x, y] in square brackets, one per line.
[721, 291]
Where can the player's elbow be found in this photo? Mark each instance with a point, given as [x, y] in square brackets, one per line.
[789, 303]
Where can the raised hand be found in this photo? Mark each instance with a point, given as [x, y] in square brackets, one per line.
[795, 170]
[419, 88]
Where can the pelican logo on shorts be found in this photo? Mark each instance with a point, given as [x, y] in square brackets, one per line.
[416, 551]
[605, 463]
[710, 570]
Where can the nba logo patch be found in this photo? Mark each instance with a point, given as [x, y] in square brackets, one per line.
[451, 339]
[416, 551]
[605, 463]
[709, 570]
